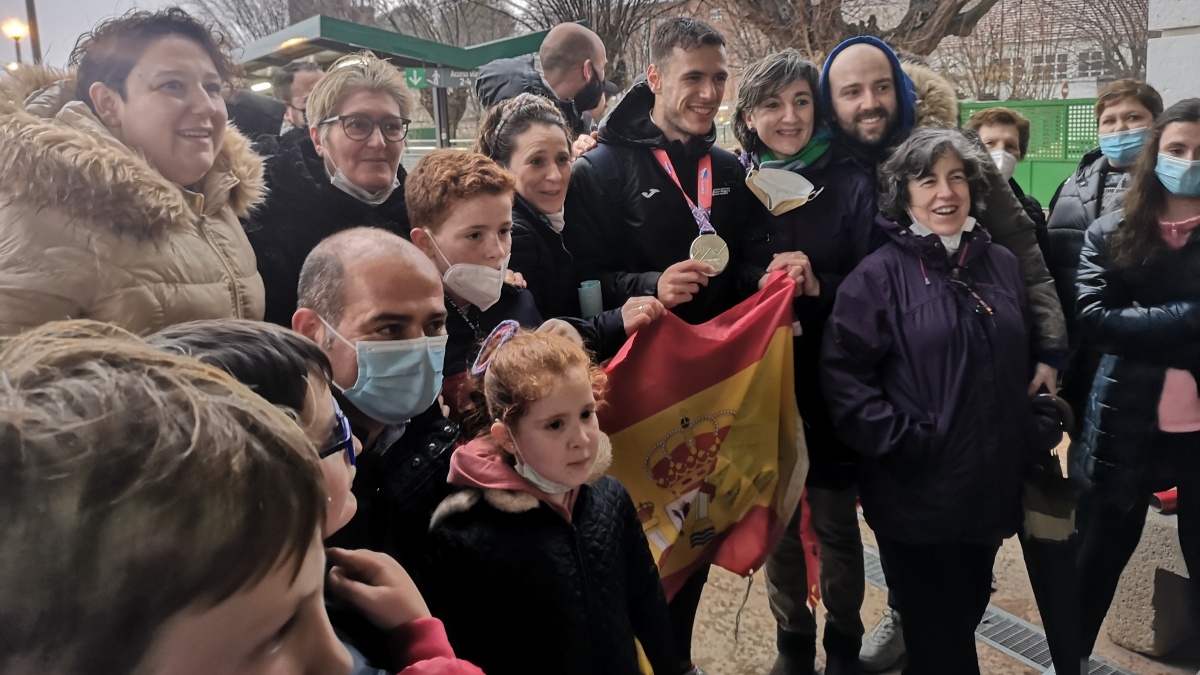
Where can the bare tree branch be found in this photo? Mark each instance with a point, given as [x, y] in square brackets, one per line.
[816, 26]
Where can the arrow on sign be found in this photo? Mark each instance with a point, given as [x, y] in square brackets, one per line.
[416, 78]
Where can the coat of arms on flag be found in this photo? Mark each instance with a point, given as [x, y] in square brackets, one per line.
[706, 436]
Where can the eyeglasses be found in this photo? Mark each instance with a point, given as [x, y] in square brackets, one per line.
[340, 437]
[360, 127]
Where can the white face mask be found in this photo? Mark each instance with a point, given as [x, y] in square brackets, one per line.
[1006, 162]
[536, 479]
[557, 221]
[479, 285]
[780, 190]
[951, 243]
[339, 181]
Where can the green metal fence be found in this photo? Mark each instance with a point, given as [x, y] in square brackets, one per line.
[1060, 134]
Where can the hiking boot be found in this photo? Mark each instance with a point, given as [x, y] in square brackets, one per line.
[883, 647]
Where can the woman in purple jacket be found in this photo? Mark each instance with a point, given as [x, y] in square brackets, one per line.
[925, 366]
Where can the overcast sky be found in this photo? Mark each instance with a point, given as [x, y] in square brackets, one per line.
[62, 21]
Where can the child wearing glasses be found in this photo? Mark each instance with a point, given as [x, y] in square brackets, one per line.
[541, 565]
[291, 372]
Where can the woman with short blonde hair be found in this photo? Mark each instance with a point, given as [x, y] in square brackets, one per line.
[342, 171]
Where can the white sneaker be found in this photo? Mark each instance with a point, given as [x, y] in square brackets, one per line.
[883, 647]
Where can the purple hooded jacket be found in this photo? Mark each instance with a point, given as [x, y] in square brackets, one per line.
[925, 366]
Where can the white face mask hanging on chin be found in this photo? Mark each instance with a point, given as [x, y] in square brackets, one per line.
[339, 181]
[951, 243]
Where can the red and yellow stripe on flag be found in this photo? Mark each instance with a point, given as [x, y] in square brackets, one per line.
[706, 436]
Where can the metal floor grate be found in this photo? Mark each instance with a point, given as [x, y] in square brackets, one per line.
[1018, 638]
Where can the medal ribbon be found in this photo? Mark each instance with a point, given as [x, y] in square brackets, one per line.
[703, 189]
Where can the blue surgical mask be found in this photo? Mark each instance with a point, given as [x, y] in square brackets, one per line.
[1179, 176]
[1122, 147]
[397, 379]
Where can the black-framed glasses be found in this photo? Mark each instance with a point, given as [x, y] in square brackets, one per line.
[340, 437]
[360, 127]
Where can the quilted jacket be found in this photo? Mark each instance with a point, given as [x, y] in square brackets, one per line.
[1143, 323]
[90, 230]
[522, 591]
[400, 481]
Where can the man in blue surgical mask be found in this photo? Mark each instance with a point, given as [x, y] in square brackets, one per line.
[374, 303]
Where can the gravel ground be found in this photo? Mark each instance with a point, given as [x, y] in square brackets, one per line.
[717, 652]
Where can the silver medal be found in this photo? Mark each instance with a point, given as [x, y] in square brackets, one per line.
[712, 249]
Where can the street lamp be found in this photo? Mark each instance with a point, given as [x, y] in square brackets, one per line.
[15, 30]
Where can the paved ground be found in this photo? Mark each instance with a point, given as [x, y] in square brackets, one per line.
[716, 651]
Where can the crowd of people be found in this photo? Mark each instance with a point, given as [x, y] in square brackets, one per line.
[274, 404]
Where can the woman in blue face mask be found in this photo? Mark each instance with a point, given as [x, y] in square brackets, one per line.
[1125, 110]
[1139, 301]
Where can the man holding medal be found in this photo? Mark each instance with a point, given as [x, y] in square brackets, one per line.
[655, 208]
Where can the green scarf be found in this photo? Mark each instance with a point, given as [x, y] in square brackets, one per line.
[810, 153]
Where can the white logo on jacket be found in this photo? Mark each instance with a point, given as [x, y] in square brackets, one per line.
[650, 193]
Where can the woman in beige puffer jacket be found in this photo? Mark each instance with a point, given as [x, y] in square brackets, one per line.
[90, 229]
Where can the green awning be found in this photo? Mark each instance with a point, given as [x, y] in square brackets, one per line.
[325, 39]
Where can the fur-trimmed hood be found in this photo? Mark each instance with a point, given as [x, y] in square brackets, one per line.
[498, 482]
[55, 153]
[937, 101]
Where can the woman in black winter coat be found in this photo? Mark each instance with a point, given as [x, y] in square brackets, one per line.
[529, 138]
[342, 172]
[1125, 110]
[1139, 303]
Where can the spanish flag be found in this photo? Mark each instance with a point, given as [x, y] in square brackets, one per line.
[706, 435]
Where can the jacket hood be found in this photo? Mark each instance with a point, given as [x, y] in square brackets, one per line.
[906, 102]
[973, 245]
[54, 143]
[503, 79]
[936, 99]
[483, 466]
[629, 124]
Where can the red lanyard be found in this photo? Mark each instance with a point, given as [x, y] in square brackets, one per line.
[703, 188]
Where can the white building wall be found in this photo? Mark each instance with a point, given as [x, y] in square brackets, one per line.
[1172, 59]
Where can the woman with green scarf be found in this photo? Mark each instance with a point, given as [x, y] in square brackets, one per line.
[816, 211]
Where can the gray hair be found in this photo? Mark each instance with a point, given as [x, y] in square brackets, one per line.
[767, 77]
[916, 156]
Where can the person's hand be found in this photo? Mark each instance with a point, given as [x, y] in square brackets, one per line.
[584, 143]
[377, 586]
[560, 327]
[514, 279]
[640, 311]
[799, 269]
[442, 404]
[681, 281]
[1045, 376]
